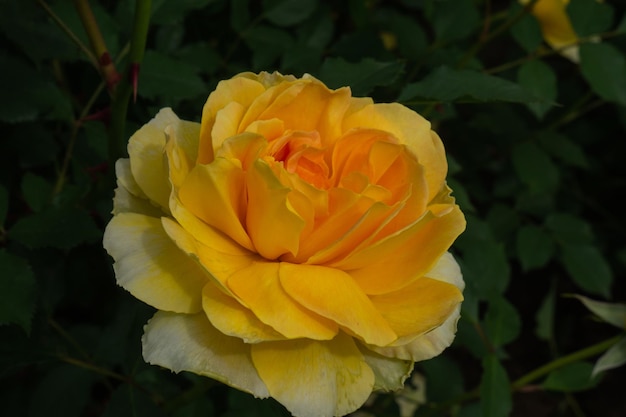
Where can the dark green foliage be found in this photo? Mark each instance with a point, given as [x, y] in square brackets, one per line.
[536, 152]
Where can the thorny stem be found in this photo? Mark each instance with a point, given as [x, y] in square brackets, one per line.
[106, 65]
[119, 104]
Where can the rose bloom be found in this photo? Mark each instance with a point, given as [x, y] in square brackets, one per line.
[556, 27]
[294, 242]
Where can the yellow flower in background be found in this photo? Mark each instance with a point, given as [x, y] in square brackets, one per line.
[556, 27]
[294, 242]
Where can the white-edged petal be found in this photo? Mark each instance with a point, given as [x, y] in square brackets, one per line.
[151, 267]
[182, 342]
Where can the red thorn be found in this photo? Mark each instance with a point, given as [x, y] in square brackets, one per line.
[134, 77]
[105, 59]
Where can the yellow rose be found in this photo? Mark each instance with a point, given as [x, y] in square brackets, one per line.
[294, 242]
[556, 26]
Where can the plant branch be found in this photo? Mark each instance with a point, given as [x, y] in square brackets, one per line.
[106, 65]
[128, 83]
[565, 360]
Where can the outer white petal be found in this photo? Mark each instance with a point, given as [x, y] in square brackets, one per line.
[148, 161]
[151, 267]
[390, 373]
[126, 202]
[182, 342]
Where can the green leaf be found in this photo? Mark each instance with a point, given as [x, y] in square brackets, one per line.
[502, 322]
[503, 221]
[128, 401]
[539, 80]
[163, 76]
[454, 19]
[57, 227]
[199, 407]
[239, 14]
[568, 228]
[27, 25]
[604, 68]
[612, 358]
[612, 313]
[446, 84]
[362, 76]
[563, 148]
[26, 95]
[37, 191]
[288, 12]
[17, 291]
[165, 11]
[267, 43]
[495, 394]
[534, 247]
[590, 17]
[545, 316]
[202, 55]
[621, 27]
[588, 268]
[412, 40]
[445, 380]
[535, 168]
[573, 377]
[486, 268]
[57, 384]
[4, 205]
[527, 33]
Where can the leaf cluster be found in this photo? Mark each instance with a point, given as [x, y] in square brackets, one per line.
[535, 145]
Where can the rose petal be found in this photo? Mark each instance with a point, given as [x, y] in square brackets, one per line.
[426, 346]
[218, 255]
[125, 202]
[419, 307]
[230, 317]
[306, 107]
[413, 131]
[556, 27]
[181, 149]
[238, 90]
[227, 123]
[338, 245]
[406, 255]
[183, 342]
[314, 378]
[272, 224]
[150, 266]
[259, 289]
[434, 342]
[128, 195]
[148, 163]
[216, 193]
[389, 373]
[333, 294]
[125, 178]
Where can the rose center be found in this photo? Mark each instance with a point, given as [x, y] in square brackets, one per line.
[301, 153]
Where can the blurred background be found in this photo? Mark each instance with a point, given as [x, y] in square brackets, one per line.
[536, 143]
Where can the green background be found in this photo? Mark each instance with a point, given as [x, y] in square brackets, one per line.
[536, 148]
